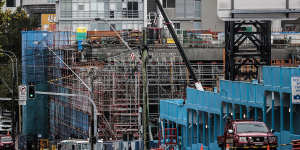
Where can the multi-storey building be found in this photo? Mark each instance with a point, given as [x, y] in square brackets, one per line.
[121, 14]
[11, 4]
[191, 14]
[39, 6]
[42, 9]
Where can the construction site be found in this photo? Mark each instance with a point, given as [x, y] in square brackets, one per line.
[102, 59]
[116, 80]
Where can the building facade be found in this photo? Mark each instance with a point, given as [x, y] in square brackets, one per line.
[39, 6]
[120, 14]
[190, 14]
[11, 4]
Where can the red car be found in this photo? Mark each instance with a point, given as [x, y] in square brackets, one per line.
[6, 143]
[245, 134]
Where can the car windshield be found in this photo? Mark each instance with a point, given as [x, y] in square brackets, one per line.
[251, 127]
[6, 139]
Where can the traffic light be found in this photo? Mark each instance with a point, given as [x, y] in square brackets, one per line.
[31, 91]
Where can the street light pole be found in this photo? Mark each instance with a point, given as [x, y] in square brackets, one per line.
[74, 95]
[94, 111]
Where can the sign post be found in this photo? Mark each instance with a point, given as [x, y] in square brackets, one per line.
[22, 94]
[295, 90]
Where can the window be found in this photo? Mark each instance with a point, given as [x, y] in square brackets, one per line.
[169, 3]
[80, 7]
[10, 3]
[250, 128]
[111, 14]
[176, 25]
[133, 9]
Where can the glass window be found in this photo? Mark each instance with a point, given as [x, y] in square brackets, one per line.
[133, 9]
[177, 25]
[169, 3]
[251, 127]
[10, 3]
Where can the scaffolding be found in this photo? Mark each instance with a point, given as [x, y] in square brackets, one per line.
[116, 84]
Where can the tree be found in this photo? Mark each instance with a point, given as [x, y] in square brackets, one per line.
[12, 23]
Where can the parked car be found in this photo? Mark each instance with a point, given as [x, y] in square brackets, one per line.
[245, 134]
[6, 143]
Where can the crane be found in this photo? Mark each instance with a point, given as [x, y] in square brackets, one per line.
[179, 46]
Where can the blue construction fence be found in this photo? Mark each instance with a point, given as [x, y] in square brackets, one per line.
[34, 71]
[41, 116]
[202, 117]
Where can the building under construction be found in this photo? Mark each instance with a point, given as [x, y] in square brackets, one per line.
[114, 75]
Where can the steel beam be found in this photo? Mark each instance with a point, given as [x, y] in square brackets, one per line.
[236, 58]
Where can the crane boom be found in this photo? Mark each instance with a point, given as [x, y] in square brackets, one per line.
[179, 46]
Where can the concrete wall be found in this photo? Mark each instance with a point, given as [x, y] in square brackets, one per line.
[187, 13]
[209, 18]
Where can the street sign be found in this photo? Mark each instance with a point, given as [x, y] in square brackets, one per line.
[296, 90]
[22, 94]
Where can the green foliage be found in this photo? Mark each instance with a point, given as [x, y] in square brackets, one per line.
[11, 25]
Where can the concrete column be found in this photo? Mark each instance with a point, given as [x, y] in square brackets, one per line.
[209, 127]
[233, 111]
[187, 130]
[281, 112]
[264, 109]
[215, 127]
[204, 124]
[273, 111]
[291, 115]
[198, 131]
[255, 114]
[248, 112]
[192, 129]
[221, 120]
[241, 112]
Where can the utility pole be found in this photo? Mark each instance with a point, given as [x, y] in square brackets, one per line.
[145, 93]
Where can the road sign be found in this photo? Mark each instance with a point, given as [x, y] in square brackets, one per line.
[22, 94]
[296, 90]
